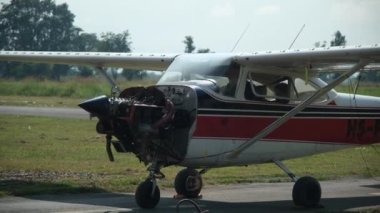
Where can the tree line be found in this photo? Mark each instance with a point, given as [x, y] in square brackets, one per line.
[42, 25]
[340, 40]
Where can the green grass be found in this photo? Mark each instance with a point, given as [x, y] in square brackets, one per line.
[50, 155]
[74, 88]
[57, 151]
[40, 101]
[89, 87]
[372, 90]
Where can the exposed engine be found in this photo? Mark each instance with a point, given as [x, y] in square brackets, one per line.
[155, 123]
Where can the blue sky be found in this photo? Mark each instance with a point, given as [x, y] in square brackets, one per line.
[160, 26]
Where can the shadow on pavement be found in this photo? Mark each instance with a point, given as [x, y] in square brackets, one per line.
[127, 201]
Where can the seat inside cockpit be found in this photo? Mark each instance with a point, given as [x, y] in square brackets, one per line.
[271, 87]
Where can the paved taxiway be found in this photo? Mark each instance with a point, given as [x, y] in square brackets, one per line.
[337, 196]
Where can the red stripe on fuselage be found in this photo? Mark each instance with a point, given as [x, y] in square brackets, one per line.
[329, 130]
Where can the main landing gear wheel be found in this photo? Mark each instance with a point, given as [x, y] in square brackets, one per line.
[145, 197]
[306, 192]
[188, 183]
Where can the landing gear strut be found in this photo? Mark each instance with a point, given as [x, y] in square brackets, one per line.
[306, 190]
[147, 194]
[188, 183]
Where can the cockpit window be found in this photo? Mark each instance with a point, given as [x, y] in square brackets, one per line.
[305, 90]
[302, 87]
[280, 89]
[232, 77]
[264, 87]
[218, 74]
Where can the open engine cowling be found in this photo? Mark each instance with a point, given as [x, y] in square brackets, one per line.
[153, 122]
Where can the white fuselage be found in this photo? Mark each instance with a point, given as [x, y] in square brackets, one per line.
[209, 151]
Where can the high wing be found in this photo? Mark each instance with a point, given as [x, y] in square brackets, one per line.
[94, 59]
[329, 59]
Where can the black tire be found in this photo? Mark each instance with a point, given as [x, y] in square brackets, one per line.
[144, 197]
[188, 183]
[307, 192]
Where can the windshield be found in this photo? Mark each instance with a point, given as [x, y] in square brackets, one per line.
[211, 71]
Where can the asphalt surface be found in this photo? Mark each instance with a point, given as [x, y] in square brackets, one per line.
[337, 196]
[45, 111]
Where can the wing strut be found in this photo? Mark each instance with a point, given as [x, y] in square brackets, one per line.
[115, 89]
[276, 124]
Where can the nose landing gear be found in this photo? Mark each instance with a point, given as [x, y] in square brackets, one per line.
[147, 194]
[188, 183]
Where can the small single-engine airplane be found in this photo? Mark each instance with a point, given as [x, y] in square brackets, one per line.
[216, 110]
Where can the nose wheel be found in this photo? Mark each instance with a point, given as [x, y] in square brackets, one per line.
[147, 195]
[188, 183]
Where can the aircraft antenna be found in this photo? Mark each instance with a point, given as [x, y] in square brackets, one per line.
[241, 36]
[295, 39]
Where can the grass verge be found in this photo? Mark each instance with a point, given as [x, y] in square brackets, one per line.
[40, 101]
[371, 89]
[51, 155]
[75, 88]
